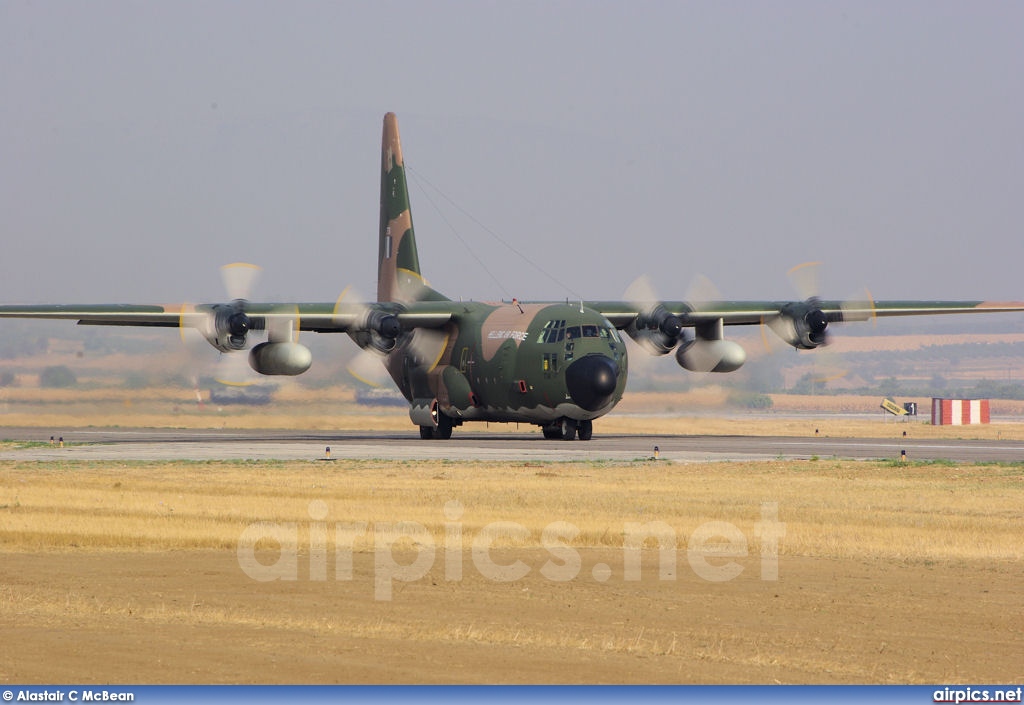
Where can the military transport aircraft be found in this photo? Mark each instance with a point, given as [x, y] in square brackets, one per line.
[556, 365]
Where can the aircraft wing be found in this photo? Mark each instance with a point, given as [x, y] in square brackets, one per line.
[341, 317]
[660, 325]
[731, 313]
[102, 314]
[320, 317]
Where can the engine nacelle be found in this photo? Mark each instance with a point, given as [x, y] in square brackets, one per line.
[228, 327]
[378, 330]
[711, 356]
[280, 358]
[803, 325]
[658, 331]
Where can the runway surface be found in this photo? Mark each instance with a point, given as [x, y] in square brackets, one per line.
[176, 444]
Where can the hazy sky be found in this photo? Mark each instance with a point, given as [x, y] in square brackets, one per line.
[143, 144]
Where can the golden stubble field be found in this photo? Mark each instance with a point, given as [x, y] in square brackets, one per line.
[439, 572]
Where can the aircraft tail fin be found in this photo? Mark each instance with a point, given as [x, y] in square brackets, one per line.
[398, 263]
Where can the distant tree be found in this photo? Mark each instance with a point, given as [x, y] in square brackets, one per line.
[890, 386]
[766, 375]
[810, 383]
[57, 377]
[750, 400]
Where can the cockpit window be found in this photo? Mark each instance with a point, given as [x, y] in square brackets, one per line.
[610, 332]
[555, 331]
[552, 332]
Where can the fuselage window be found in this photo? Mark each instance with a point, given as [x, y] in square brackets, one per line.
[590, 331]
[572, 332]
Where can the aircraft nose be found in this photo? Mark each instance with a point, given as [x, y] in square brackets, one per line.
[591, 381]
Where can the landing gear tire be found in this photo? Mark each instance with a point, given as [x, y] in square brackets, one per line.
[444, 427]
[586, 430]
[568, 429]
[442, 432]
[552, 433]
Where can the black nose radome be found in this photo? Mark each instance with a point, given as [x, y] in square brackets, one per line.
[591, 381]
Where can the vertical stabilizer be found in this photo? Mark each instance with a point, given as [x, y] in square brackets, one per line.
[398, 263]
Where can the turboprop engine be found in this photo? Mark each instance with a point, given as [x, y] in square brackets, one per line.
[657, 330]
[803, 325]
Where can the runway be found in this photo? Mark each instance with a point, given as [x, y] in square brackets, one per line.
[199, 445]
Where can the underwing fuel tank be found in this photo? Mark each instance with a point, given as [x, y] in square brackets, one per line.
[711, 356]
[280, 358]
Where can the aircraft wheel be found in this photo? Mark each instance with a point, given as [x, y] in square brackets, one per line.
[426, 432]
[586, 430]
[444, 427]
[552, 433]
[568, 429]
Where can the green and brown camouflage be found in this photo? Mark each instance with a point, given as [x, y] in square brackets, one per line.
[557, 365]
[398, 263]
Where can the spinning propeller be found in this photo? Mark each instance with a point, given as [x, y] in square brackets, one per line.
[804, 324]
[379, 332]
[660, 331]
[655, 328]
[227, 327]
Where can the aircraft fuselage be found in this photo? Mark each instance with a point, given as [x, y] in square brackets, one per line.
[533, 363]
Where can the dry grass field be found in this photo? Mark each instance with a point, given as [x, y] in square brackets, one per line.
[406, 572]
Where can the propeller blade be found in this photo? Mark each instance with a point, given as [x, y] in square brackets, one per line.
[781, 326]
[655, 328]
[427, 346]
[641, 294]
[860, 307]
[806, 279]
[351, 307]
[239, 279]
[368, 367]
[233, 370]
[701, 293]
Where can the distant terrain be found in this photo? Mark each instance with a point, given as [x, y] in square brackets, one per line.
[50, 373]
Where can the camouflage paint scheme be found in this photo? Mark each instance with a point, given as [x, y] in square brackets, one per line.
[557, 365]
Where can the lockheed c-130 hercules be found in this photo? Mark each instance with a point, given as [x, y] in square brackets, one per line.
[557, 365]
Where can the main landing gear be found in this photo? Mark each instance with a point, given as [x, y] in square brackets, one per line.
[442, 432]
[568, 429]
[565, 429]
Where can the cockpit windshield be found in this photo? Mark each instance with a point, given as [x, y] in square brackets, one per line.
[555, 331]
